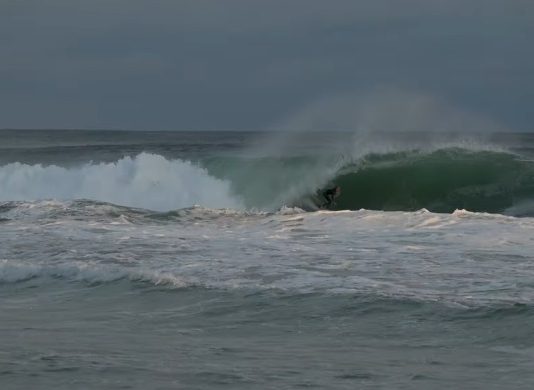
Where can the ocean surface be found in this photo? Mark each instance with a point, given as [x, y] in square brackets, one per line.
[202, 260]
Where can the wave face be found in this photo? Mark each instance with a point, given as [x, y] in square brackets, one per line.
[440, 181]
[146, 181]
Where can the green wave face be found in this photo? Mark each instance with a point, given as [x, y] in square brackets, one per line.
[269, 182]
[441, 181]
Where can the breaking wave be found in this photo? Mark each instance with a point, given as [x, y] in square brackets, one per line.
[440, 180]
[146, 181]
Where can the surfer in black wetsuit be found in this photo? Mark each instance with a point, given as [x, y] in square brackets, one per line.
[330, 195]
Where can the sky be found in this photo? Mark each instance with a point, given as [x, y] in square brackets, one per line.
[267, 64]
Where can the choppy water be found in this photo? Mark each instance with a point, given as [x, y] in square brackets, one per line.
[110, 278]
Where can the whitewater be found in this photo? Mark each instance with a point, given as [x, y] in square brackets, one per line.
[202, 260]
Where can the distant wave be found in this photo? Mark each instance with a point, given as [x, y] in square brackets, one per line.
[146, 181]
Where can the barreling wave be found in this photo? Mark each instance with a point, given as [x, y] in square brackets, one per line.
[441, 181]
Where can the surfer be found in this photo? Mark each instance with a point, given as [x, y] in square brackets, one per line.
[330, 195]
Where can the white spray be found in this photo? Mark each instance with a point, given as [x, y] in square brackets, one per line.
[146, 181]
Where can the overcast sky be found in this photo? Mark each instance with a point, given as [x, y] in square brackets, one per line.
[251, 64]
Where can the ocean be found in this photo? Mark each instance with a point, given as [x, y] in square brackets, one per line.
[204, 260]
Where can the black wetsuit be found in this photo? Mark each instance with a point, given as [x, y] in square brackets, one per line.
[330, 194]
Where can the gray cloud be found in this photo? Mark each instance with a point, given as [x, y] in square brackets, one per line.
[250, 64]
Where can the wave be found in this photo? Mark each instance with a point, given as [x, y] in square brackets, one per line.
[48, 211]
[11, 273]
[440, 181]
[93, 274]
[146, 181]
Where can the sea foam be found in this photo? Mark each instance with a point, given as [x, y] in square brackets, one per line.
[146, 181]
